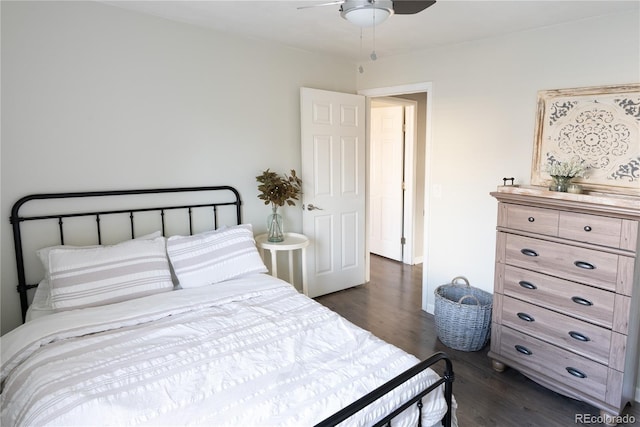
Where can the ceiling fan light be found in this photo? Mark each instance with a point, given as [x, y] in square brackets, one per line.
[366, 16]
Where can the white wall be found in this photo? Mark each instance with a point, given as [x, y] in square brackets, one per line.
[95, 97]
[484, 100]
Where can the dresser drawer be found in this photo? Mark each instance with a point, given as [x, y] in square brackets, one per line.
[585, 375]
[575, 335]
[588, 266]
[599, 230]
[583, 302]
[535, 220]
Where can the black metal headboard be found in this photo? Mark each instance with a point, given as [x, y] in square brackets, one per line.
[212, 198]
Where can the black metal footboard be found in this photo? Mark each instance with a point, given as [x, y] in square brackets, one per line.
[446, 379]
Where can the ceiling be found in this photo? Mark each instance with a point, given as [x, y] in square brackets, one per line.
[321, 29]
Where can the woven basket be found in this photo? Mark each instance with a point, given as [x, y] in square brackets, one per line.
[463, 315]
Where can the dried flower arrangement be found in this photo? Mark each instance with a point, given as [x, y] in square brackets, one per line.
[278, 189]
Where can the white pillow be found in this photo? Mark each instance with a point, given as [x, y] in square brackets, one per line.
[108, 274]
[43, 254]
[214, 256]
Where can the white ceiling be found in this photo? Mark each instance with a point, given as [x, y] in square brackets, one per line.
[321, 29]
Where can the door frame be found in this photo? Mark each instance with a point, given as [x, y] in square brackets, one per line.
[426, 87]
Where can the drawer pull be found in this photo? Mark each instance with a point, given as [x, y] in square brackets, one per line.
[587, 228]
[578, 336]
[585, 265]
[576, 372]
[527, 285]
[524, 350]
[581, 301]
[531, 219]
[528, 252]
[526, 317]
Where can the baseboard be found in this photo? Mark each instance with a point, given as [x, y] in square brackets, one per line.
[431, 308]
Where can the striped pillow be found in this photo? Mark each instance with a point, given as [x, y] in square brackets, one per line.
[214, 256]
[108, 274]
[43, 255]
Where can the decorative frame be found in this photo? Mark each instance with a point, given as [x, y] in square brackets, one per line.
[599, 126]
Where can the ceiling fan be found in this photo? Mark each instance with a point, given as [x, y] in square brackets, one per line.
[367, 13]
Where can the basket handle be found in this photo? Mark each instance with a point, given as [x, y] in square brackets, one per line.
[464, 297]
[464, 279]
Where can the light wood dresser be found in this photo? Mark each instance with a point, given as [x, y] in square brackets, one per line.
[567, 293]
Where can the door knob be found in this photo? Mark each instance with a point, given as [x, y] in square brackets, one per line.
[311, 207]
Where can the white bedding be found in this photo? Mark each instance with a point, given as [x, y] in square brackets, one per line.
[248, 352]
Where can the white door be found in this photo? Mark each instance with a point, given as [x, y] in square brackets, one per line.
[333, 188]
[386, 179]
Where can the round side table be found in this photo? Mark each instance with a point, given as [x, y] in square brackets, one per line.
[292, 241]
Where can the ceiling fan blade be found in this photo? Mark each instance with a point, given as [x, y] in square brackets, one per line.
[409, 7]
[322, 4]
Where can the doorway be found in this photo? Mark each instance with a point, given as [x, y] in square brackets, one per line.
[419, 181]
[422, 93]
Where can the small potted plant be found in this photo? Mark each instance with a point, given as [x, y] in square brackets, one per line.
[278, 190]
[563, 172]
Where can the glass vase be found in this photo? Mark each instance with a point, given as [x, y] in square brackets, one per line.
[275, 232]
[560, 183]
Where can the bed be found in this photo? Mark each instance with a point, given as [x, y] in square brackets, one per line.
[173, 321]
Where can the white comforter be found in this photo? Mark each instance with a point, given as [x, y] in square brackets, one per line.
[248, 352]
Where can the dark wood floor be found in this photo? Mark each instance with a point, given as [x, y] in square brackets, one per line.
[390, 307]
